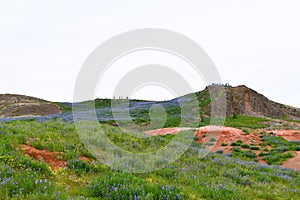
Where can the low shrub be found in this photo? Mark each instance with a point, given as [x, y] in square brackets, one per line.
[254, 147]
[234, 144]
[246, 146]
[262, 144]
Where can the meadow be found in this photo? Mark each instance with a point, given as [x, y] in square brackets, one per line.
[216, 176]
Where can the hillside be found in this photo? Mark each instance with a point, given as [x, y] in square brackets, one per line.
[12, 105]
[242, 100]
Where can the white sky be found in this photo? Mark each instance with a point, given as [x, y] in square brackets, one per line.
[44, 43]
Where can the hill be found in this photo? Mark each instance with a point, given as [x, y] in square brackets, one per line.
[12, 105]
[240, 100]
[245, 101]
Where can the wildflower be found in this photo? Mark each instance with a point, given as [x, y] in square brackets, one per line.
[136, 197]
[192, 196]
[149, 180]
[220, 186]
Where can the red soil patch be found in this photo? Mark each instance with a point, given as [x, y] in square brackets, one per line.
[288, 134]
[48, 157]
[293, 163]
[227, 135]
[165, 131]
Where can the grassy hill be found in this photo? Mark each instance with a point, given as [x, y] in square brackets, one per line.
[239, 100]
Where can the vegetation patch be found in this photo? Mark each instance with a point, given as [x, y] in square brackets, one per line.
[246, 122]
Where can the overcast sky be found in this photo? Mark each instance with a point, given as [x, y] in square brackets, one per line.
[43, 44]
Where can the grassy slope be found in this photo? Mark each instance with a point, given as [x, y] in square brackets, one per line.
[213, 177]
[245, 122]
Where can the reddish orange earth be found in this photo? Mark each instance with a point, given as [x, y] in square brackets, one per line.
[293, 163]
[165, 131]
[48, 157]
[227, 135]
[289, 135]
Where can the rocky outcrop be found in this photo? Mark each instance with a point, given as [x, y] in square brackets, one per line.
[242, 100]
[245, 101]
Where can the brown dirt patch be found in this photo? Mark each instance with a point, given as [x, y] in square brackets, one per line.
[48, 157]
[30, 109]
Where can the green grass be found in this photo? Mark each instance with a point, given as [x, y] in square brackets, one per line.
[246, 122]
[190, 177]
[245, 155]
[127, 186]
[281, 149]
